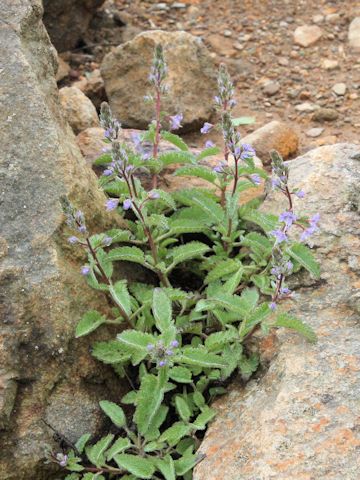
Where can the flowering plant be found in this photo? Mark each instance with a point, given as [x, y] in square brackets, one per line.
[217, 273]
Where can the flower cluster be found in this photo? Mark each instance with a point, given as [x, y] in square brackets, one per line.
[111, 126]
[158, 71]
[160, 353]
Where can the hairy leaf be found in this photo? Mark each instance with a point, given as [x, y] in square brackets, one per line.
[200, 357]
[89, 322]
[129, 254]
[138, 466]
[120, 294]
[187, 252]
[198, 171]
[288, 321]
[121, 445]
[303, 255]
[114, 412]
[148, 402]
[223, 269]
[161, 308]
[175, 140]
[95, 453]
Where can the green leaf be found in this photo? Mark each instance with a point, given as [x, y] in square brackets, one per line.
[216, 341]
[114, 412]
[175, 140]
[180, 374]
[153, 432]
[303, 255]
[186, 463]
[249, 365]
[118, 235]
[204, 418]
[169, 158]
[116, 188]
[162, 310]
[198, 171]
[182, 408]
[266, 221]
[120, 294]
[166, 467]
[208, 152]
[89, 322]
[80, 444]
[93, 476]
[138, 466]
[199, 357]
[135, 343]
[175, 433]
[242, 121]
[212, 209]
[95, 453]
[223, 269]
[149, 399]
[110, 352]
[166, 198]
[256, 317]
[104, 159]
[180, 226]
[187, 252]
[119, 446]
[129, 254]
[258, 243]
[288, 321]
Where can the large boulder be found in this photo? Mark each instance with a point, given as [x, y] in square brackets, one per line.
[45, 374]
[67, 20]
[191, 79]
[301, 418]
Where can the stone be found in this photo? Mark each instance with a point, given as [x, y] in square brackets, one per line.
[328, 64]
[63, 69]
[271, 88]
[339, 89]
[307, 35]
[91, 143]
[354, 34]
[306, 107]
[221, 45]
[45, 373]
[275, 135]
[314, 132]
[300, 418]
[325, 115]
[125, 71]
[318, 18]
[78, 109]
[67, 20]
[93, 87]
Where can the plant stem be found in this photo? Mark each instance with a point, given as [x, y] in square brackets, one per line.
[157, 133]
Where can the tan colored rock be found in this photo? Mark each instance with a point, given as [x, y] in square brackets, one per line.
[307, 35]
[91, 143]
[93, 87]
[354, 34]
[78, 109]
[44, 372]
[191, 79]
[275, 135]
[300, 420]
[328, 64]
[63, 69]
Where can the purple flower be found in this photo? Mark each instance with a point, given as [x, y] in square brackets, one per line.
[272, 306]
[209, 144]
[82, 229]
[85, 270]
[289, 266]
[109, 133]
[312, 229]
[219, 168]
[314, 220]
[169, 352]
[300, 194]
[73, 240]
[150, 347]
[275, 182]
[176, 121]
[288, 218]
[162, 363]
[255, 179]
[247, 151]
[107, 172]
[62, 459]
[285, 291]
[217, 100]
[107, 241]
[276, 271]
[111, 204]
[153, 195]
[174, 343]
[127, 204]
[206, 127]
[279, 235]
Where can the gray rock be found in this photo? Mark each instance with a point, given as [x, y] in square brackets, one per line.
[325, 115]
[314, 132]
[300, 419]
[271, 88]
[78, 109]
[306, 107]
[67, 20]
[42, 294]
[339, 89]
[354, 34]
[191, 79]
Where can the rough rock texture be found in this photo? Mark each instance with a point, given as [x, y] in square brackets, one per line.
[307, 35]
[354, 34]
[274, 135]
[67, 20]
[93, 87]
[191, 79]
[78, 109]
[44, 372]
[301, 420]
